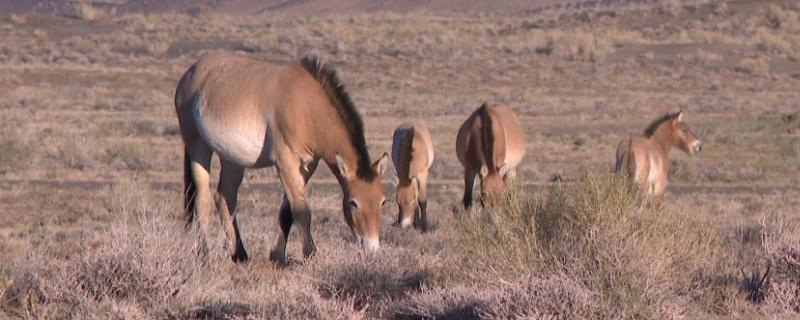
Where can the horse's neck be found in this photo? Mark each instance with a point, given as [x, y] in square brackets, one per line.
[663, 139]
[334, 143]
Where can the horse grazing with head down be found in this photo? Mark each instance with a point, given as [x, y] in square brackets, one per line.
[645, 160]
[255, 114]
[412, 155]
[490, 144]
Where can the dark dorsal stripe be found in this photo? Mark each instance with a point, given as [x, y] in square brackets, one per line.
[651, 129]
[334, 89]
[488, 136]
[407, 143]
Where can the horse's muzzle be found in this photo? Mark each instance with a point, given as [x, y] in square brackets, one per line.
[696, 147]
[370, 244]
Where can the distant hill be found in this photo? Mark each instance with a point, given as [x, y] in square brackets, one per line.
[68, 7]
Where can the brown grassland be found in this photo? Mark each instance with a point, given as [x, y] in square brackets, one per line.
[91, 165]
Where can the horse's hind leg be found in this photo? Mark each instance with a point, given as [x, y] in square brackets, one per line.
[294, 177]
[230, 178]
[199, 166]
[421, 220]
[278, 253]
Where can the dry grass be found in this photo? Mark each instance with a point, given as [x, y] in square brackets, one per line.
[91, 165]
[145, 265]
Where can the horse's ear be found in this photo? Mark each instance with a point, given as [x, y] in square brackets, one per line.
[342, 167]
[380, 164]
[484, 171]
[679, 118]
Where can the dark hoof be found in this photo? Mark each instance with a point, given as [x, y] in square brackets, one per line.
[309, 253]
[277, 257]
[240, 256]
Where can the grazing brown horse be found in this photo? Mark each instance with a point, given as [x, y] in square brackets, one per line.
[491, 144]
[645, 160]
[412, 155]
[255, 114]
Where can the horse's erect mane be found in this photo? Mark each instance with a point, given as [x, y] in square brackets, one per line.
[651, 129]
[351, 119]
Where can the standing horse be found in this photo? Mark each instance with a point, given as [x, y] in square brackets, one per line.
[491, 144]
[255, 114]
[645, 160]
[412, 155]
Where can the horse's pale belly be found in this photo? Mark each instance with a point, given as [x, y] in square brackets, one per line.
[244, 142]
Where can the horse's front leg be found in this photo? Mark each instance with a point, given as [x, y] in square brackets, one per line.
[294, 175]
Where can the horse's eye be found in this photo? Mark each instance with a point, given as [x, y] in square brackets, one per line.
[353, 204]
[685, 130]
[383, 203]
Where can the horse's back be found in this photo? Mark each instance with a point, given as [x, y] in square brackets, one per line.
[412, 149]
[228, 101]
[503, 134]
[422, 146]
[469, 143]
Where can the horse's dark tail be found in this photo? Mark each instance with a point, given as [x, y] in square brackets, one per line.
[189, 190]
[626, 160]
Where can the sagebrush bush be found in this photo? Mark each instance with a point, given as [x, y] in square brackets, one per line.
[781, 244]
[637, 257]
[499, 239]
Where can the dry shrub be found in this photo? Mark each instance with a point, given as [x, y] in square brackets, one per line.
[772, 43]
[87, 11]
[638, 258]
[443, 303]
[138, 269]
[128, 157]
[14, 155]
[533, 297]
[671, 7]
[579, 44]
[781, 243]
[284, 297]
[148, 267]
[73, 152]
[754, 66]
[778, 17]
[501, 239]
[530, 297]
[685, 170]
[719, 7]
[347, 272]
